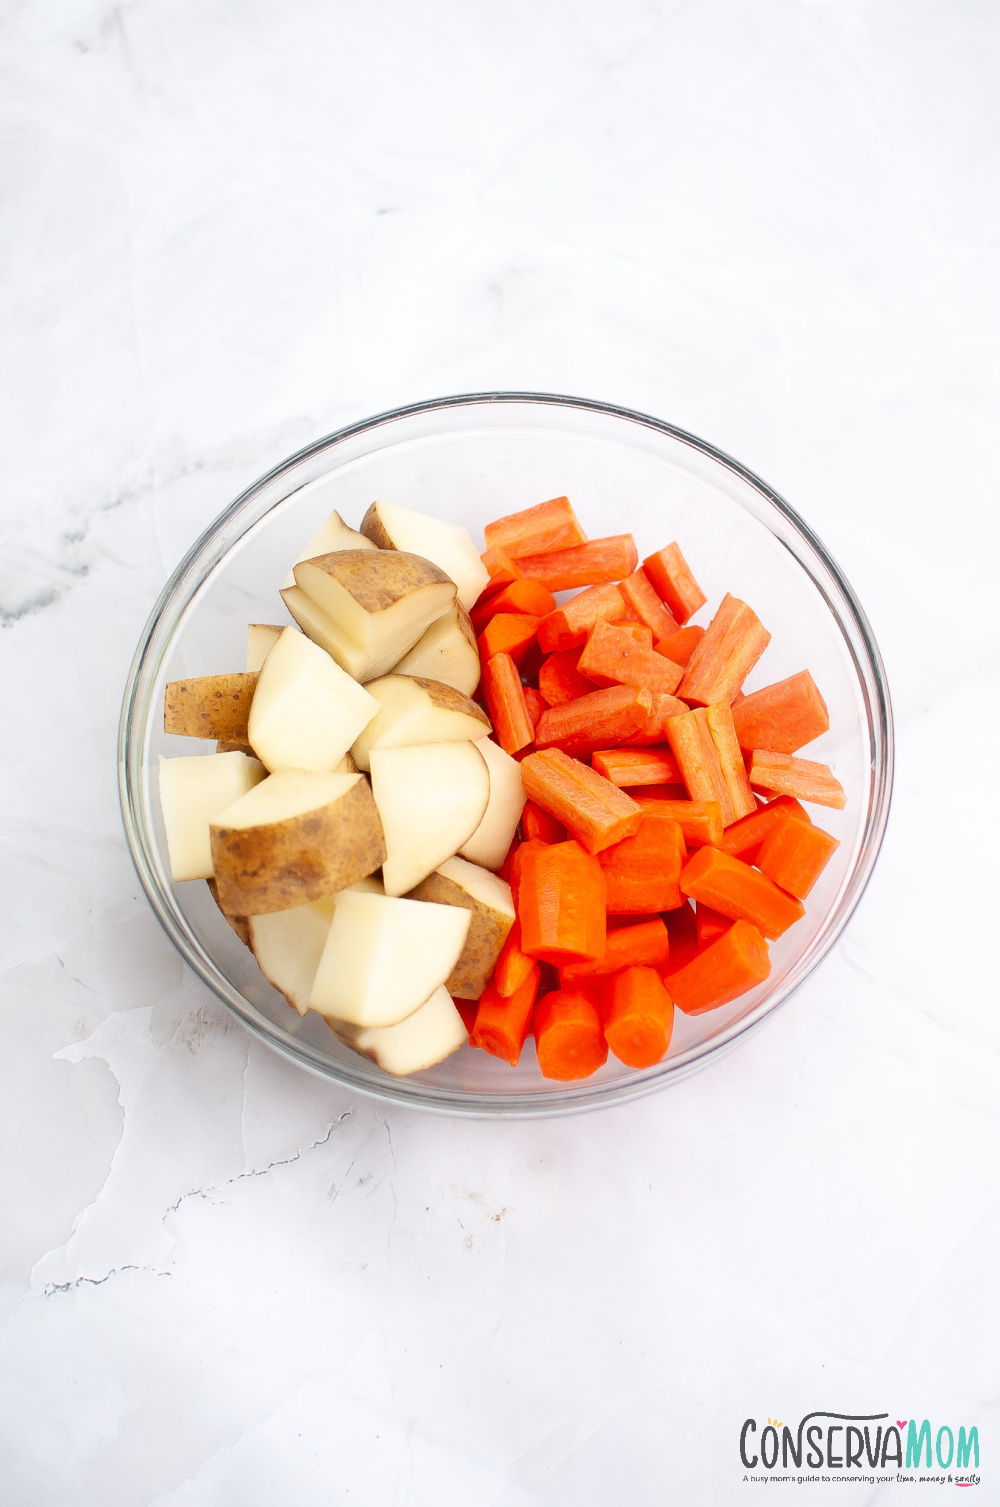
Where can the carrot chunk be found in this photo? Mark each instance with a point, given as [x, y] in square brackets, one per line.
[637, 631]
[745, 838]
[598, 720]
[510, 633]
[559, 680]
[731, 765]
[637, 766]
[539, 530]
[690, 738]
[639, 595]
[507, 707]
[589, 806]
[699, 821]
[638, 1016]
[671, 579]
[783, 717]
[681, 645]
[733, 643]
[735, 962]
[612, 657]
[520, 596]
[561, 900]
[801, 778]
[513, 965]
[522, 853]
[643, 872]
[654, 729]
[535, 702]
[541, 825]
[794, 855]
[567, 626]
[503, 872]
[646, 943]
[503, 1021]
[502, 571]
[568, 1035]
[467, 1010]
[734, 888]
[711, 924]
[682, 928]
[587, 565]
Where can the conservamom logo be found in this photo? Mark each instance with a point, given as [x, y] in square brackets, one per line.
[865, 1442]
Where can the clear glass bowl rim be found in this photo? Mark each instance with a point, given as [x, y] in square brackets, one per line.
[203, 558]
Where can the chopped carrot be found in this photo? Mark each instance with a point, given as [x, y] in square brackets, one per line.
[612, 657]
[561, 900]
[589, 806]
[567, 626]
[654, 730]
[682, 928]
[644, 602]
[694, 748]
[539, 824]
[637, 631]
[802, 778]
[535, 702]
[539, 530]
[681, 645]
[744, 838]
[783, 717]
[601, 719]
[734, 888]
[510, 633]
[587, 565]
[700, 821]
[513, 966]
[735, 962]
[502, 571]
[671, 579]
[675, 793]
[646, 942]
[507, 707]
[637, 766]
[559, 680]
[734, 772]
[794, 855]
[503, 872]
[733, 643]
[467, 1010]
[711, 924]
[521, 856]
[568, 1035]
[643, 871]
[638, 1016]
[503, 1021]
[520, 596]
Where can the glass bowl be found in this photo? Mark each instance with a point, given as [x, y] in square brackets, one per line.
[468, 459]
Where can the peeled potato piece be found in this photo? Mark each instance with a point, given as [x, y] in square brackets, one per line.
[373, 605]
[301, 836]
[491, 840]
[427, 1036]
[385, 956]
[431, 798]
[446, 544]
[488, 898]
[288, 944]
[447, 652]
[414, 710]
[211, 706]
[261, 639]
[193, 791]
[306, 710]
[334, 534]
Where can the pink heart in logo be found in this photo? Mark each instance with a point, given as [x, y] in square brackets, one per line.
[902, 1422]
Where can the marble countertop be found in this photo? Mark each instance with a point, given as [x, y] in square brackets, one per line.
[234, 227]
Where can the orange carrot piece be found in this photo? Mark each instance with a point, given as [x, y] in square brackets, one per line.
[732, 964]
[541, 825]
[783, 717]
[521, 856]
[520, 596]
[733, 643]
[681, 645]
[561, 899]
[467, 1010]
[598, 720]
[596, 812]
[539, 530]
[734, 772]
[682, 928]
[644, 944]
[801, 778]
[694, 748]
[535, 702]
[638, 1016]
[699, 821]
[731, 886]
[588, 565]
[510, 633]
[503, 872]
[676, 793]
[502, 569]
[559, 680]
[671, 579]
[569, 1037]
[654, 730]
[507, 707]
[503, 1021]
[794, 855]
[637, 766]
[567, 626]
[643, 872]
[711, 924]
[639, 595]
[745, 838]
[612, 657]
[637, 631]
[513, 966]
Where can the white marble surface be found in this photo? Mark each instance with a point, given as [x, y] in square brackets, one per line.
[231, 227]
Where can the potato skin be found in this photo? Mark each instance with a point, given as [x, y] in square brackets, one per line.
[377, 579]
[446, 697]
[487, 933]
[374, 529]
[240, 924]
[291, 862]
[211, 706]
